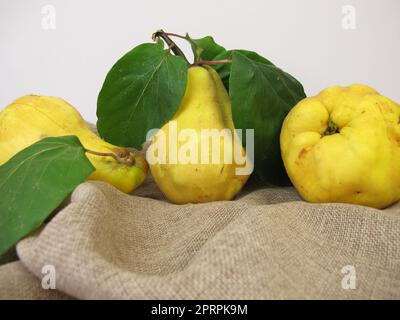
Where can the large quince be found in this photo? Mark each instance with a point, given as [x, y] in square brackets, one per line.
[343, 145]
[31, 118]
[205, 108]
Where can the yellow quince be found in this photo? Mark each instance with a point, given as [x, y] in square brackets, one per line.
[31, 118]
[343, 145]
[203, 155]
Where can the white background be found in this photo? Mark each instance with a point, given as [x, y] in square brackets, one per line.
[304, 37]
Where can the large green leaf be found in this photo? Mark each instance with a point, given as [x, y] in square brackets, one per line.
[224, 70]
[261, 96]
[205, 48]
[35, 181]
[142, 91]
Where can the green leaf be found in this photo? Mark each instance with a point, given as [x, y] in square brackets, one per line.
[261, 96]
[35, 181]
[205, 48]
[142, 91]
[224, 70]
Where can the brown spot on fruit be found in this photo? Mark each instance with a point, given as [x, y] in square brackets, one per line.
[303, 153]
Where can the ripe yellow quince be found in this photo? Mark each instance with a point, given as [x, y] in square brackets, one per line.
[190, 165]
[343, 145]
[31, 118]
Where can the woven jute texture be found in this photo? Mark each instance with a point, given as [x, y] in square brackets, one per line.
[266, 244]
[17, 283]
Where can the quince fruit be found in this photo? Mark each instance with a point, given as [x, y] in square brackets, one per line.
[196, 169]
[31, 118]
[343, 145]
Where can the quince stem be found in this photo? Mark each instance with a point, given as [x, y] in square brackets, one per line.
[213, 62]
[126, 159]
[177, 51]
[175, 35]
[171, 44]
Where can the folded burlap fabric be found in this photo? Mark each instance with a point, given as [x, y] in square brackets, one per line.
[266, 244]
[18, 283]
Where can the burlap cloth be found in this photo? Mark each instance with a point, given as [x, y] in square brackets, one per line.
[265, 244]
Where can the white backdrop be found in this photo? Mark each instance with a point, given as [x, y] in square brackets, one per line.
[321, 43]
